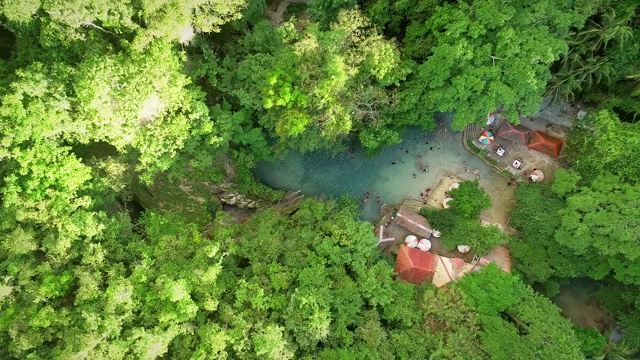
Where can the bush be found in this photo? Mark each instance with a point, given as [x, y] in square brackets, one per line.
[440, 219]
[470, 200]
[457, 230]
[592, 342]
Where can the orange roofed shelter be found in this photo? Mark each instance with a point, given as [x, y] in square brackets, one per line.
[415, 266]
[545, 144]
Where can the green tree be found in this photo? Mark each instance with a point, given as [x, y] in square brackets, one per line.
[601, 222]
[487, 55]
[142, 22]
[516, 320]
[599, 54]
[592, 342]
[449, 321]
[566, 182]
[603, 143]
[538, 255]
[469, 200]
[456, 231]
[317, 87]
[325, 12]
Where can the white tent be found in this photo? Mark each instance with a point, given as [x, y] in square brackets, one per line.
[537, 175]
[424, 245]
[411, 241]
[464, 248]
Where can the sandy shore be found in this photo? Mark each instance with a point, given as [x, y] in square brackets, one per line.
[502, 195]
[446, 179]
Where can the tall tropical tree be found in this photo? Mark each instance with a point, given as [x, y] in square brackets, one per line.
[484, 55]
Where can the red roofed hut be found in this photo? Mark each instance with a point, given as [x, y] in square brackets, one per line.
[545, 144]
[517, 134]
[415, 266]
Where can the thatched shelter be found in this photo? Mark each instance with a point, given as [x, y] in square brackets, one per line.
[516, 134]
[413, 222]
[449, 269]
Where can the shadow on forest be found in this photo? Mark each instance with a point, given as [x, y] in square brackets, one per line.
[7, 43]
[625, 116]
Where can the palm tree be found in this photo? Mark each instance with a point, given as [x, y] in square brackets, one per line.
[611, 28]
[586, 63]
[621, 350]
[636, 79]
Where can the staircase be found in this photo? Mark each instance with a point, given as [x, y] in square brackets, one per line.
[470, 132]
[414, 204]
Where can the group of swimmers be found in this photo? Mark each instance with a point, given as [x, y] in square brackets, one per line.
[425, 168]
[425, 195]
[406, 150]
[368, 196]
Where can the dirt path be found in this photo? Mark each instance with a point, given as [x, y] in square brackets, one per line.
[277, 16]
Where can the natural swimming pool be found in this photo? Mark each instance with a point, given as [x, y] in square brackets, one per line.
[354, 174]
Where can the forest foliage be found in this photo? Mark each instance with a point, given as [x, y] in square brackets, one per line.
[100, 99]
[586, 224]
[309, 283]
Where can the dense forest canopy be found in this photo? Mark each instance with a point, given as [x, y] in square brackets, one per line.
[104, 104]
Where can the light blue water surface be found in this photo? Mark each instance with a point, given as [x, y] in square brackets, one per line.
[354, 174]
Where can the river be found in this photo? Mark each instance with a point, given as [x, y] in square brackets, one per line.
[354, 174]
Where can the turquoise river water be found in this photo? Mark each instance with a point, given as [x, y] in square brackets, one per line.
[354, 174]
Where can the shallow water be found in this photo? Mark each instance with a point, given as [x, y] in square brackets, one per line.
[354, 174]
[579, 304]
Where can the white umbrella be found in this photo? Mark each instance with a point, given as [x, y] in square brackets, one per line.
[424, 245]
[537, 176]
[455, 185]
[411, 241]
[464, 248]
[445, 203]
